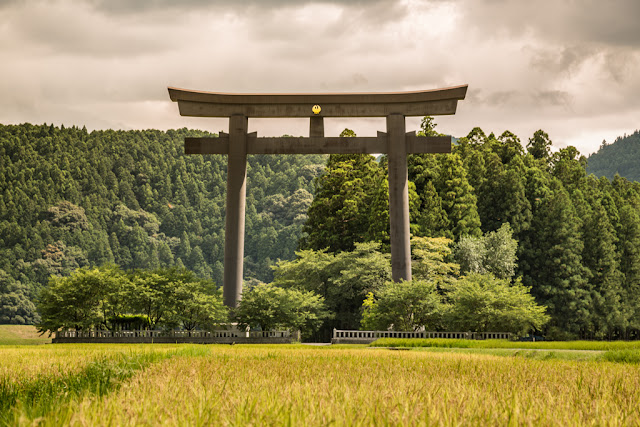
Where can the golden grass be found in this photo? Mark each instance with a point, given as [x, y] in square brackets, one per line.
[295, 385]
[25, 363]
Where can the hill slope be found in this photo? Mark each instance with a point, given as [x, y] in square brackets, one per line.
[70, 198]
[622, 157]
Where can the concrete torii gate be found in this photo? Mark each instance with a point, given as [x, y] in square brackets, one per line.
[396, 143]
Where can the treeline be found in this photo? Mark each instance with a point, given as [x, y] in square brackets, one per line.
[312, 294]
[108, 298]
[71, 198]
[466, 286]
[621, 157]
[578, 235]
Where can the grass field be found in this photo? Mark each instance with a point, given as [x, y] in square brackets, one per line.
[303, 385]
[540, 345]
[21, 335]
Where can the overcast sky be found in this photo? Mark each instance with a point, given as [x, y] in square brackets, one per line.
[569, 67]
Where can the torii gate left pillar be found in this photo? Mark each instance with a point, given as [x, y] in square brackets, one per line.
[235, 209]
[396, 143]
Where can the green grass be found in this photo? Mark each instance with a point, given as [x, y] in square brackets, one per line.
[21, 335]
[541, 345]
[574, 355]
[610, 351]
[622, 356]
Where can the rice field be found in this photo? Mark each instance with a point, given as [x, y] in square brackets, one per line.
[303, 385]
[32, 362]
[539, 345]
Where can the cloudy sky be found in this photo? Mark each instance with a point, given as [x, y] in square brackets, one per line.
[570, 67]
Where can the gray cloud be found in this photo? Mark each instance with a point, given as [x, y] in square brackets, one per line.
[605, 22]
[551, 98]
[130, 28]
[496, 98]
[76, 29]
[559, 60]
[134, 7]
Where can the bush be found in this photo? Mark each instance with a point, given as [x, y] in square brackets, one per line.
[403, 306]
[269, 307]
[484, 303]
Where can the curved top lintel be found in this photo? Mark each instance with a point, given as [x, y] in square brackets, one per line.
[367, 104]
[455, 92]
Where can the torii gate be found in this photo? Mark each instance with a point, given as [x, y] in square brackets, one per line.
[396, 143]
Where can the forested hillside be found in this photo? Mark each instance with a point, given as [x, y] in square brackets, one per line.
[621, 157]
[578, 236]
[70, 198]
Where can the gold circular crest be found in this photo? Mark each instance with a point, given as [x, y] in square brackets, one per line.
[316, 109]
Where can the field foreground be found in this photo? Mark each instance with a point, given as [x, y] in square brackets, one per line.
[302, 385]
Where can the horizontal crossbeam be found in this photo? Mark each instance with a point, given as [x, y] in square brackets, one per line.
[417, 103]
[318, 145]
[429, 108]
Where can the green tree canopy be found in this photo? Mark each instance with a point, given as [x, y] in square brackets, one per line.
[350, 205]
[619, 157]
[539, 145]
[269, 307]
[403, 306]
[198, 304]
[484, 303]
[494, 253]
[458, 198]
[106, 298]
[343, 280]
[15, 305]
[88, 298]
[432, 259]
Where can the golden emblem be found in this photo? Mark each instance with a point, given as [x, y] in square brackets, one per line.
[316, 109]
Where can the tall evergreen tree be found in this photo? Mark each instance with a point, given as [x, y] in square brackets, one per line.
[539, 146]
[551, 251]
[629, 255]
[431, 219]
[600, 257]
[350, 204]
[458, 199]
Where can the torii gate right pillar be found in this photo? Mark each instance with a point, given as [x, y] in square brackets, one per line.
[398, 198]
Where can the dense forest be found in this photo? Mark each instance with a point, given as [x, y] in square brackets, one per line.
[578, 235]
[69, 198]
[621, 157]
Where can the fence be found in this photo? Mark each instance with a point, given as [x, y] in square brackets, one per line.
[175, 336]
[366, 337]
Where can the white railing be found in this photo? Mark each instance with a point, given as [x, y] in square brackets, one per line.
[374, 335]
[269, 334]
